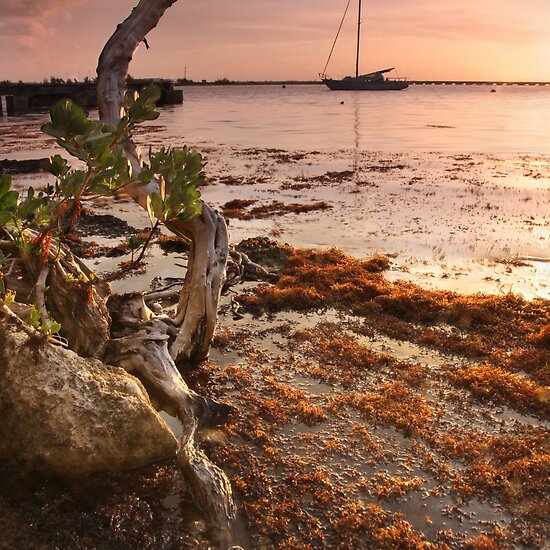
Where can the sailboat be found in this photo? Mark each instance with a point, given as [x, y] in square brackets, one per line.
[370, 81]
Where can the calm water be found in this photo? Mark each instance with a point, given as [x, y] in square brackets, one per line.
[514, 119]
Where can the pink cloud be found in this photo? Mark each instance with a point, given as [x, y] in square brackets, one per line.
[31, 8]
[25, 24]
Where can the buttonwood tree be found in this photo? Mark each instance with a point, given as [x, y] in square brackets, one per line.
[56, 294]
[188, 335]
[207, 232]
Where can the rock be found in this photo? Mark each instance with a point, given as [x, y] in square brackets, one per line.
[68, 416]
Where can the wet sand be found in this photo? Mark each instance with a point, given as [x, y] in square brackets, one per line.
[362, 424]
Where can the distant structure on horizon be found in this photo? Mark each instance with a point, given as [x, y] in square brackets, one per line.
[18, 98]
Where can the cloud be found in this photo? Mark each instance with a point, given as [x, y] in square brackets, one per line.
[31, 8]
[26, 25]
[23, 35]
[20, 28]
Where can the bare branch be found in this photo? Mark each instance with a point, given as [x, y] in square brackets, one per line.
[40, 294]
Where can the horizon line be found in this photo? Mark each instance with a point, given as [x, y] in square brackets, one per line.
[226, 81]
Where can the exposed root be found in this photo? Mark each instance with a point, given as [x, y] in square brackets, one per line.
[240, 268]
[140, 346]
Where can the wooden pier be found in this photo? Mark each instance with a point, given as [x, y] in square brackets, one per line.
[24, 98]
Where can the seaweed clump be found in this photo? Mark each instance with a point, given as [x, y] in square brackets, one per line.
[239, 208]
[505, 330]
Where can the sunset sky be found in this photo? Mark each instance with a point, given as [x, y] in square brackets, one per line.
[283, 39]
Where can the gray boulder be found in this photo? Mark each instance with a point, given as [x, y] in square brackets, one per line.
[64, 415]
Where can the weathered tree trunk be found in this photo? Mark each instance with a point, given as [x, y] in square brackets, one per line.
[117, 54]
[198, 304]
[146, 352]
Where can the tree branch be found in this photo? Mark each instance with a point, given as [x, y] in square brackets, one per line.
[198, 304]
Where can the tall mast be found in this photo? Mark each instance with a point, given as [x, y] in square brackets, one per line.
[358, 39]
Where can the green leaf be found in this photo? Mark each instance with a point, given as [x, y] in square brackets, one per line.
[157, 205]
[143, 106]
[180, 156]
[103, 189]
[53, 328]
[72, 183]
[134, 242]
[150, 94]
[75, 149]
[68, 120]
[178, 180]
[5, 217]
[122, 124]
[145, 176]
[5, 183]
[97, 141]
[9, 200]
[190, 212]
[58, 166]
[35, 319]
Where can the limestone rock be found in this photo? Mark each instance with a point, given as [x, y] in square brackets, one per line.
[64, 415]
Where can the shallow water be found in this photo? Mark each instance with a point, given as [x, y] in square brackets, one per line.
[515, 119]
[447, 180]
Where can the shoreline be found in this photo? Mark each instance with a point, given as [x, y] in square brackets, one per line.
[291, 82]
[468, 223]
